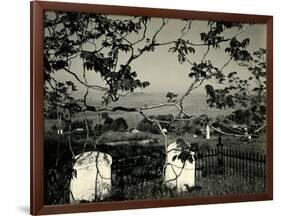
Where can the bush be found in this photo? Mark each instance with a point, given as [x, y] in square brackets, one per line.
[119, 124]
[112, 136]
[58, 170]
[146, 125]
[196, 122]
[197, 132]
[181, 127]
[168, 117]
[107, 124]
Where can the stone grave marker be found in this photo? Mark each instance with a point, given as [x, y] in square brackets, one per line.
[93, 180]
[177, 174]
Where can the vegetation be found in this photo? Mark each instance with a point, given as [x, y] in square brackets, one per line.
[119, 124]
[58, 170]
[213, 185]
[112, 136]
[148, 126]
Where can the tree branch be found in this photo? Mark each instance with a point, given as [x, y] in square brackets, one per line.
[143, 35]
[95, 87]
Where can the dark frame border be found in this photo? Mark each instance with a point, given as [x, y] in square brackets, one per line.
[36, 112]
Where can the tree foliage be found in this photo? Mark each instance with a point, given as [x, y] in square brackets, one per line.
[97, 40]
[249, 102]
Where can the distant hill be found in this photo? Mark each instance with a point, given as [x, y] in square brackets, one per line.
[194, 104]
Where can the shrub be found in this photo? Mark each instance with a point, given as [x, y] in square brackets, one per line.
[197, 131]
[196, 122]
[168, 117]
[181, 127]
[146, 125]
[119, 124]
[107, 124]
[112, 136]
[58, 170]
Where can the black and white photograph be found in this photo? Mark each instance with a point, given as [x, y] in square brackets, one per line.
[152, 108]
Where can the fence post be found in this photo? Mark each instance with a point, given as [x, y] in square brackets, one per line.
[220, 156]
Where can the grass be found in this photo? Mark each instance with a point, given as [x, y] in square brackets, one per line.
[229, 184]
[212, 185]
[113, 136]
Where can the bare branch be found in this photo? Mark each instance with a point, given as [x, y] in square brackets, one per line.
[259, 129]
[206, 53]
[69, 141]
[186, 28]
[143, 35]
[160, 28]
[229, 60]
[225, 133]
[95, 87]
[176, 175]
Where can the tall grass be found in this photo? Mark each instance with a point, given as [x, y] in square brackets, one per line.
[212, 185]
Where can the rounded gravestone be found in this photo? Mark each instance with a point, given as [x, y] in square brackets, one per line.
[93, 179]
[179, 175]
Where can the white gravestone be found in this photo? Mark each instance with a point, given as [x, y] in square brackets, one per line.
[177, 174]
[207, 132]
[93, 180]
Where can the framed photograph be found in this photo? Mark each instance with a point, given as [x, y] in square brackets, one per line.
[140, 107]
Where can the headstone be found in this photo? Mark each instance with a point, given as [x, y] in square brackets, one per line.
[93, 179]
[177, 174]
[60, 131]
[246, 131]
[207, 132]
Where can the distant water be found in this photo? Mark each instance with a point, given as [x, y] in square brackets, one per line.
[194, 104]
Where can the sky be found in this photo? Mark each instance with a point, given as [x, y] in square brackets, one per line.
[162, 69]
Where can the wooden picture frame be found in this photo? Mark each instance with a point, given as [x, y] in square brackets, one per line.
[37, 106]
